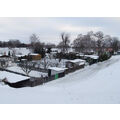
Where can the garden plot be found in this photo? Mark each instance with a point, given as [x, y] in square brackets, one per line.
[33, 73]
[50, 63]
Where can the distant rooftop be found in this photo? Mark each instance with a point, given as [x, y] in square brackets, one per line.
[76, 60]
[57, 68]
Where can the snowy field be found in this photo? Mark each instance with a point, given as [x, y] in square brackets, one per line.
[99, 83]
[18, 51]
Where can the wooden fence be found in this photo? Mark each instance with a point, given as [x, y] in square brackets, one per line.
[33, 81]
[40, 81]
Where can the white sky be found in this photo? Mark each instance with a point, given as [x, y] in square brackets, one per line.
[49, 29]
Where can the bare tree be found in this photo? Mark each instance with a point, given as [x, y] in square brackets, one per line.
[34, 39]
[84, 43]
[115, 44]
[95, 41]
[107, 41]
[78, 44]
[4, 63]
[64, 44]
[100, 37]
[46, 62]
[25, 66]
[36, 45]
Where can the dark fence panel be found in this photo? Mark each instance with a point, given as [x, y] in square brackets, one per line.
[39, 81]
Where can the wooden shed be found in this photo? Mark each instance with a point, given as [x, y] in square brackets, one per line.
[56, 71]
[35, 56]
[91, 59]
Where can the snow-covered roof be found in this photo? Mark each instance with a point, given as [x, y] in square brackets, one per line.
[12, 77]
[92, 56]
[20, 55]
[54, 49]
[57, 68]
[76, 60]
[80, 54]
[82, 63]
[23, 59]
[34, 54]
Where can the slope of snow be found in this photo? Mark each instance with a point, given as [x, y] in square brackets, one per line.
[99, 83]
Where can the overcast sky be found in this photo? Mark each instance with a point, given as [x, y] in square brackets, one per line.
[49, 29]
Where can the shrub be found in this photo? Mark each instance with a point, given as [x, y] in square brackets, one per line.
[104, 56]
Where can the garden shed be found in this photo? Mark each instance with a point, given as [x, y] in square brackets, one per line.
[35, 56]
[58, 72]
[75, 63]
[91, 59]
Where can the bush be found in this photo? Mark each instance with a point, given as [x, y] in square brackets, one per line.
[104, 56]
[69, 56]
[40, 51]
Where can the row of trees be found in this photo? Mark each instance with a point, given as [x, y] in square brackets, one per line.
[90, 41]
[40, 47]
[12, 43]
[83, 43]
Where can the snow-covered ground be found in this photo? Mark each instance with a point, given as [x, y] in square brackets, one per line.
[33, 73]
[99, 83]
[18, 51]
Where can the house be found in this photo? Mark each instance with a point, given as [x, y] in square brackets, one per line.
[76, 63]
[56, 72]
[31, 56]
